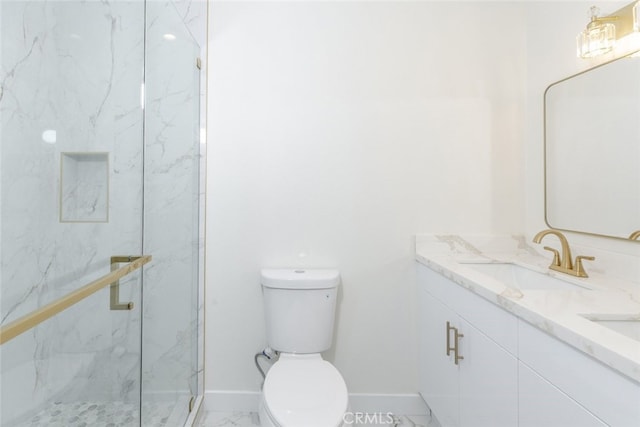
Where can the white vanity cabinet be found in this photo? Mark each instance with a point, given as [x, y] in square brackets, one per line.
[481, 389]
[438, 374]
[541, 403]
[587, 383]
[509, 373]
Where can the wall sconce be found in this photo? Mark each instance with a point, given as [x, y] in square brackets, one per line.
[602, 32]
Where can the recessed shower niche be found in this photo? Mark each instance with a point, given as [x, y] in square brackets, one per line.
[84, 187]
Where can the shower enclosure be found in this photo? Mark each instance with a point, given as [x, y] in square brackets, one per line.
[101, 234]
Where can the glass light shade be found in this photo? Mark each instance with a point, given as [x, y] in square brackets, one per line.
[596, 40]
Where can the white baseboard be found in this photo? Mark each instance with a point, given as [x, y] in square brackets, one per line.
[247, 401]
[231, 401]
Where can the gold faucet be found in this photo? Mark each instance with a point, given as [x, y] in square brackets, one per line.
[635, 235]
[563, 263]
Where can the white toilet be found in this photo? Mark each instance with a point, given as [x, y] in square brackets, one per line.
[301, 389]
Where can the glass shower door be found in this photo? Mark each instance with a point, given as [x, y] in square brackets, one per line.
[99, 158]
[171, 199]
[71, 198]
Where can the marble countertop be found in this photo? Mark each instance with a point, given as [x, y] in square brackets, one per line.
[561, 313]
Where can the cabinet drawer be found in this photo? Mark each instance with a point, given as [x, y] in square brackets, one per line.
[498, 324]
[612, 397]
[540, 403]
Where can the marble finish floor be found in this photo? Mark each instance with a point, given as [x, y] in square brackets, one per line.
[100, 414]
[250, 419]
[121, 414]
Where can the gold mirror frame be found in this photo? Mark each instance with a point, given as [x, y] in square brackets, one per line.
[546, 154]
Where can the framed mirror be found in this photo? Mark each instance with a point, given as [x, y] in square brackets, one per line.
[592, 150]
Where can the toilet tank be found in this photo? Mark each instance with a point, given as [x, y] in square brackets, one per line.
[300, 307]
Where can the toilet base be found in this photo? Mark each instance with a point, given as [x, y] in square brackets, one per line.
[266, 421]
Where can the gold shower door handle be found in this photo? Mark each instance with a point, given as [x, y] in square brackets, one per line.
[114, 291]
[34, 318]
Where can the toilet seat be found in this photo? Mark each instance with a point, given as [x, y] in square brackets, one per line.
[305, 390]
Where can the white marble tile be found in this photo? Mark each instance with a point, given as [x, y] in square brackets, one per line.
[251, 419]
[220, 419]
[194, 15]
[390, 420]
[73, 68]
[100, 414]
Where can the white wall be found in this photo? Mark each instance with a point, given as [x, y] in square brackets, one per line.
[338, 131]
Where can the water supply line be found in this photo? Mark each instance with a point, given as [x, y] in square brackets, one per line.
[269, 354]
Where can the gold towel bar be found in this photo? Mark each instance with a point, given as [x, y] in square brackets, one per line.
[38, 316]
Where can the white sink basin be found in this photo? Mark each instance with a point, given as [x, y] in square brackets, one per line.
[627, 326]
[518, 277]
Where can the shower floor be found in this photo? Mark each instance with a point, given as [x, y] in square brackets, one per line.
[101, 414]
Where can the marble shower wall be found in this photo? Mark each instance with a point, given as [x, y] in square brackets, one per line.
[172, 204]
[76, 68]
[70, 75]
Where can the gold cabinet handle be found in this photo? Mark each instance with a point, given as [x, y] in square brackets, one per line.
[456, 349]
[456, 341]
[449, 329]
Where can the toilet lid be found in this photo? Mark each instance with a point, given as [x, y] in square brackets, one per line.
[306, 392]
